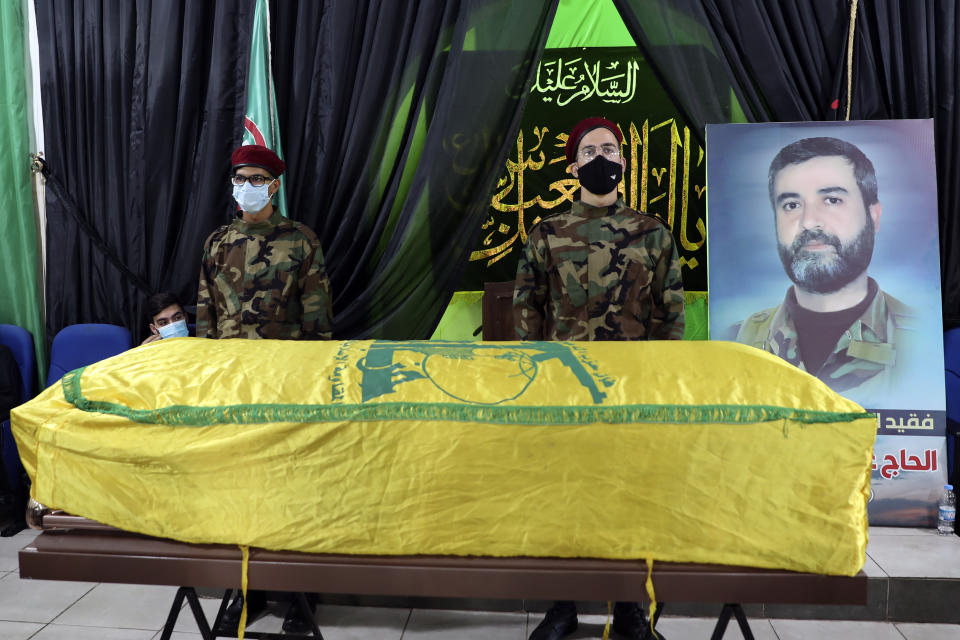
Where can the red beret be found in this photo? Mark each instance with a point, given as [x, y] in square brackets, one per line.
[255, 155]
[584, 127]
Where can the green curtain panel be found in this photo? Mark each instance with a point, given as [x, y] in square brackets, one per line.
[588, 23]
[21, 300]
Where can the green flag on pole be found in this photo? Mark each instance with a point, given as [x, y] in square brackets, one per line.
[260, 122]
[21, 296]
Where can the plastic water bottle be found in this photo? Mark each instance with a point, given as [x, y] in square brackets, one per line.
[947, 511]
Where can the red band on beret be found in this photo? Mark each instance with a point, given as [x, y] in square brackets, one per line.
[584, 127]
[255, 155]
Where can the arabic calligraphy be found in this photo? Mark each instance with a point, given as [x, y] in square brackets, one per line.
[336, 376]
[671, 192]
[513, 183]
[562, 82]
[892, 465]
[664, 173]
[912, 422]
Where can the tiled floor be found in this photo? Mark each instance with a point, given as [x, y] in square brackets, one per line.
[41, 610]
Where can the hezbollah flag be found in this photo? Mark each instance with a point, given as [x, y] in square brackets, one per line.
[260, 121]
[601, 449]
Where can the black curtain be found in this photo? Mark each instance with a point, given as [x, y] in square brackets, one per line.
[906, 65]
[786, 61]
[142, 104]
[395, 119]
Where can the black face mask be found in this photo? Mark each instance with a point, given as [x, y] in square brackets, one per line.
[600, 176]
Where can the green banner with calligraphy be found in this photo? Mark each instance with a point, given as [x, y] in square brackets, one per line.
[665, 174]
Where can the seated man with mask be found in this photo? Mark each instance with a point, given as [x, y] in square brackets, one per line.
[167, 317]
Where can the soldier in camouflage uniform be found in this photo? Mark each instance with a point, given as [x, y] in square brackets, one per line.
[262, 275]
[835, 322]
[600, 271]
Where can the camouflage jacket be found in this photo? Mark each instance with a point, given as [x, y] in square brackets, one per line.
[264, 280]
[867, 359]
[599, 273]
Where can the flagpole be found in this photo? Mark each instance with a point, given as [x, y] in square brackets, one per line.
[261, 124]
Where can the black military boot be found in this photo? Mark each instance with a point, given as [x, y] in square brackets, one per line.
[560, 621]
[629, 623]
[295, 620]
[256, 605]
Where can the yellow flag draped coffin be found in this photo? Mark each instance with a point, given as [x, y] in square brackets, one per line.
[691, 452]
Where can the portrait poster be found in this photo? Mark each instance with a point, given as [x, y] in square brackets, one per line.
[849, 211]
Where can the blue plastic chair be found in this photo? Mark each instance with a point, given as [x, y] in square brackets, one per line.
[951, 366]
[20, 343]
[81, 344]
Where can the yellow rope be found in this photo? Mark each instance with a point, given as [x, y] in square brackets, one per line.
[853, 25]
[652, 595]
[245, 552]
[606, 627]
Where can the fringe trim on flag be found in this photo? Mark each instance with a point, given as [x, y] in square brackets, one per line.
[189, 416]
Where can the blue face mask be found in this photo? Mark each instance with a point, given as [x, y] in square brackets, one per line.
[250, 198]
[176, 329]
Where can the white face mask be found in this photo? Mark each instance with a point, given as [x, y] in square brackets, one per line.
[250, 198]
[176, 329]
